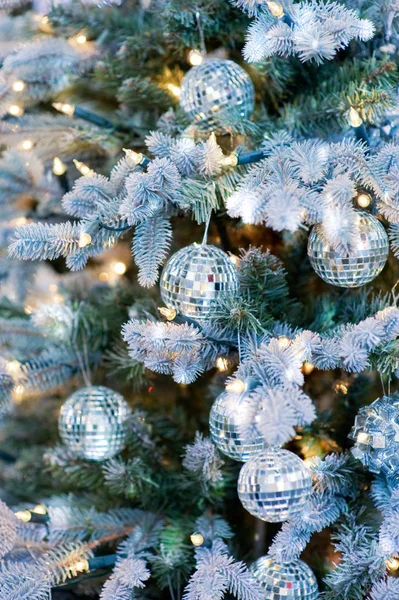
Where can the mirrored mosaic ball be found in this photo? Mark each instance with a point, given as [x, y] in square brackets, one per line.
[195, 277]
[231, 428]
[365, 261]
[376, 435]
[6, 389]
[285, 581]
[93, 423]
[274, 485]
[215, 87]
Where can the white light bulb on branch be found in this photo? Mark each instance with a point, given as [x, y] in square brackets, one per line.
[354, 118]
[135, 157]
[59, 168]
[237, 386]
[195, 57]
[27, 145]
[363, 200]
[23, 515]
[275, 8]
[174, 89]
[82, 168]
[168, 313]
[197, 539]
[18, 86]
[67, 109]
[119, 268]
[222, 363]
[15, 110]
[40, 509]
[84, 240]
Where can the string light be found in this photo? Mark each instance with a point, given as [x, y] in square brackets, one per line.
[237, 386]
[174, 89]
[81, 39]
[19, 221]
[230, 161]
[15, 110]
[307, 367]
[85, 240]
[354, 118]
[135, 157]
[27, 145]
[197, 539]
[275, 8]
[341, 387]
[283, 342]
[67, 109]
[18, 85]
[392, 564]
[119, 268]
[168, 313]
[18, 393]
[40, 509]
[28, 310]
[13, 367]
[222, 363]
[45, 25]
[59, 167]
[195, 58]
[79, 567]
[53, 288]
[363, 200]
[103, 276]
[24, 515]
[363, 437]
[82, 168]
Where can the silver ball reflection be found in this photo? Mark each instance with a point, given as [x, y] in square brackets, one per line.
[274, 485]
[195, 277]
[230, 427]
[376, 435]
[365, 261]
[93, 423]
[213, 88]
[285, 581]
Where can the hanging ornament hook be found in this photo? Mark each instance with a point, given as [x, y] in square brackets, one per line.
[205, 237]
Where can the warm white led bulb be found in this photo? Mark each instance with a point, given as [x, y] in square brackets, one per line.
[18, 85]
[84, 240]
[27, 145]
[195, 58]
[59, 167]
[119, 268]
[15, 110]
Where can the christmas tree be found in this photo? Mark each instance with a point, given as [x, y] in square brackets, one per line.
[199, 318]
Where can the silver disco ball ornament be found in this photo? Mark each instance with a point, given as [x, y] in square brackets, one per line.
[6, 389]
[274, 485]
[93, 423]
[362, 264]
[285, 581]
[195, 277]
[231, 428]
[214, 88]
[376, 435]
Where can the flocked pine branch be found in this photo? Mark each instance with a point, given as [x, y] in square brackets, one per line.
[385, 589]
[312, 31]
[217, 573]
[44, 65]
[204, 461]
[362, 562]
